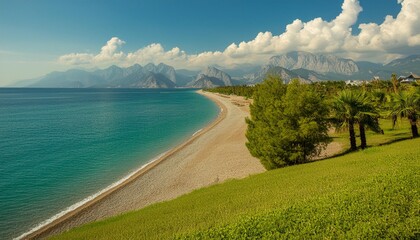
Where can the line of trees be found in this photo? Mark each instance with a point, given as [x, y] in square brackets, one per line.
[243, 90]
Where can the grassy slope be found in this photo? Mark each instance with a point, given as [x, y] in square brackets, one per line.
[400, 132]
[371, 193]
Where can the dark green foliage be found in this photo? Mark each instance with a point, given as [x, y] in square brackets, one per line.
[353, 107]
[406, 104]
[288, 123]
[367, 118]
[379, 99]
[329, 88]
[244, 90]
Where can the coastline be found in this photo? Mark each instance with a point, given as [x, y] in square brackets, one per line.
[176, 175]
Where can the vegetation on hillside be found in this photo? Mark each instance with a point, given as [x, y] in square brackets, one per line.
[371, 194]
[278, 137]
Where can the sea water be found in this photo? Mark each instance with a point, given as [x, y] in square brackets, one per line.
[60, 146]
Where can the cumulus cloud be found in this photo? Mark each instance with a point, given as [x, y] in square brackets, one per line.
[392, 38]
[108, 54]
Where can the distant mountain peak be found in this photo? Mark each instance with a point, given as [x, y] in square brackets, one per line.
[162, 68]
[217, 73]
[406, 65]
[321, 63]
[211, 77]
[113, 67]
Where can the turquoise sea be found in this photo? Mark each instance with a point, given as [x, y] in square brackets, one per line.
[60, 146]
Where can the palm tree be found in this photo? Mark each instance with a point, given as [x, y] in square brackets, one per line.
[407, 104]
[353, 107]
[345, 111]
[379, 98]
[368, 117]
[394, 81]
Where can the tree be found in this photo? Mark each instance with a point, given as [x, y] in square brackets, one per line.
[407, 104]
[345, 111]
[394, 81]
[288, 124]
[379, 99]
[367, 117]
[355, 107]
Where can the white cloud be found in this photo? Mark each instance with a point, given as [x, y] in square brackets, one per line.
[376, 42]
[393, 34]
[108, 52]
[108, 55]
[76, 58]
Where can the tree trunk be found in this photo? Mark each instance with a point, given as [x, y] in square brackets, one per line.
[394, 120]
[362, 135]
[414, 130]
[352, 136]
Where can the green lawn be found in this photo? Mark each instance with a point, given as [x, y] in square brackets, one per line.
[400, 132]
[368, 194]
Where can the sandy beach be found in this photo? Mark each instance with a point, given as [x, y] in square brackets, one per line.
[213, 155]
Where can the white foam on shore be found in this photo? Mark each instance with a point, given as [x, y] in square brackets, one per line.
[87, 199]
[197, 132]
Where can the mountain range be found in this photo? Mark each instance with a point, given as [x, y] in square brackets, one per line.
[310, 67]
[307, 67]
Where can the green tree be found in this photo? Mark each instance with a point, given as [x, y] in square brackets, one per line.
[345, 111]
[288, 124]
[353, 107]
[395, 82]
[367, 117]
[379, 99]
[407, 104]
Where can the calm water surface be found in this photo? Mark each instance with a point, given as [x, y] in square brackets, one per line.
[59, 146]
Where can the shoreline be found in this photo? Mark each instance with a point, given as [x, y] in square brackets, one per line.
[57, 223]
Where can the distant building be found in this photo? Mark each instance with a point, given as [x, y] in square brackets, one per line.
[409, 79]
[356, 82]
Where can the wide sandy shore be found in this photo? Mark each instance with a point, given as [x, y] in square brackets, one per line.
[215, 154]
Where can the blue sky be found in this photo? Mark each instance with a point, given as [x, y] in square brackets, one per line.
[40, 36]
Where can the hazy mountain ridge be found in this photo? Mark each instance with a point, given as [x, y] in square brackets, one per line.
[310, 67]
[211, 77]
[307, 67]
[320, 63]
[136, 76]
[406, 65]
[72, 78]
[204, 81]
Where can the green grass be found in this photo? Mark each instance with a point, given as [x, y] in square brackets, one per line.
[368, 194]
[400, 132]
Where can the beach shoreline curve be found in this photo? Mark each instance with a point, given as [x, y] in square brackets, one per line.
[210, 156]
[66, 214]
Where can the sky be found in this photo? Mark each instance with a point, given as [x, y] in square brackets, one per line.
[37, 37]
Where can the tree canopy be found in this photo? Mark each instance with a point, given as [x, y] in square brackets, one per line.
[288, 123]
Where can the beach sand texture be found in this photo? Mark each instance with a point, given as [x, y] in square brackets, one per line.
[213, 155]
